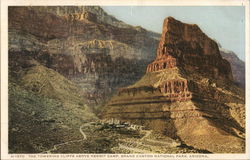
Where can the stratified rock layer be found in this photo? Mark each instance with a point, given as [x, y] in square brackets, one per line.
[84, 44]
[163, 62]
[194, 101]
[174, 89]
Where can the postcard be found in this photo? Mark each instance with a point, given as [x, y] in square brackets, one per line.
[124, 80]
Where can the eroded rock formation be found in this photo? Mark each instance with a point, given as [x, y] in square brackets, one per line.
[176, 90]
[161, 63]
[81, 16]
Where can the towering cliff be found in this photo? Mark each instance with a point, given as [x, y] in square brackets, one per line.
[195, 51]
[187, 93]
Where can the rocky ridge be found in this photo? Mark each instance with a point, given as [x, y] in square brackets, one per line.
[79, 11]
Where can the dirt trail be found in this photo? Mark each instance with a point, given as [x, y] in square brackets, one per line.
[137, 143]
[147, 134]
[83, 134]
[57, 146]
[123, 146]
[134, 150]
[143, 143]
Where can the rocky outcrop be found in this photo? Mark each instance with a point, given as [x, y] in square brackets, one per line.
[81, 16]
[175, 89]
[187, 93]
[100, 14]
[161, 63]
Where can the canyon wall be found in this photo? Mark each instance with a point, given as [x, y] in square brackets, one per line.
[85, 44]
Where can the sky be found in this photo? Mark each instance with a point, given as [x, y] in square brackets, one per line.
[225, 24]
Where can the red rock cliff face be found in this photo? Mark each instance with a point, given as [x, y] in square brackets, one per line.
[194, 50]
[187, 93]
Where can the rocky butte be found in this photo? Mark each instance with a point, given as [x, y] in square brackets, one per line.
[187, 93]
